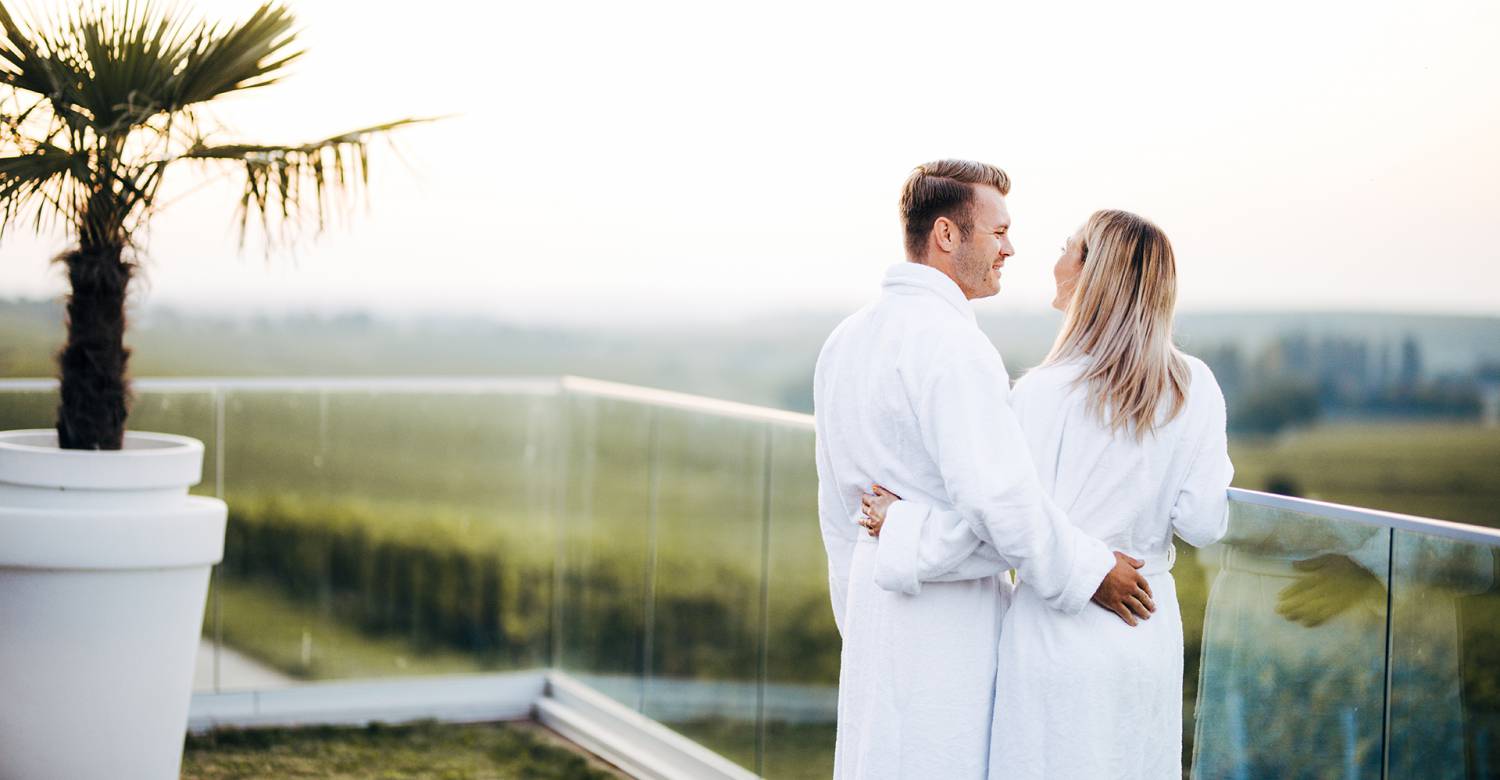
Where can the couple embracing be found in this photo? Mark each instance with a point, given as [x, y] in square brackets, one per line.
[999, 559]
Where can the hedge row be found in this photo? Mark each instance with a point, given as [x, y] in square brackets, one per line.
[387, 580]
[442, 582]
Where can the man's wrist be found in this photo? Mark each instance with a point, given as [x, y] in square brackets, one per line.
[1093, 563]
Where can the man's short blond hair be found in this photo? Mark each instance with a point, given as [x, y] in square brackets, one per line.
[943, 189]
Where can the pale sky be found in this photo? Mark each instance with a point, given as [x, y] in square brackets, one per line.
[680, 160]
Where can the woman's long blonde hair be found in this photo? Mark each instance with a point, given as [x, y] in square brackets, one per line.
[1120, 321]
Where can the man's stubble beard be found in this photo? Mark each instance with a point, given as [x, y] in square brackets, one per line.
[972, 270]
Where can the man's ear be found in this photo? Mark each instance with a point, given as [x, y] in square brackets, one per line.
[945, 233]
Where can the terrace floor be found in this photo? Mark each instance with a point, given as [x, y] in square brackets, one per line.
[236, 670]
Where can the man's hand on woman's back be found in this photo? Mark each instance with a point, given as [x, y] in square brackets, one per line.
[1125, 591]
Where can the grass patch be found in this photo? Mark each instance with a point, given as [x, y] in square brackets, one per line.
[422, 749]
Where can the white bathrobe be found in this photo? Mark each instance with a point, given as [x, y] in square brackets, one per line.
[909, 393]
[1085, 695]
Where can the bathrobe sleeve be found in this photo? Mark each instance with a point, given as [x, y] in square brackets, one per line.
[973, 436]
[921, 543]
[839, 533]
[1200, 514]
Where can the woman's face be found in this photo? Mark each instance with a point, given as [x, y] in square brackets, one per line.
[1069, 267]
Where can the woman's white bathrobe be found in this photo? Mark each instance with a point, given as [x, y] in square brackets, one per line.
[909, 393]
[1086, 695]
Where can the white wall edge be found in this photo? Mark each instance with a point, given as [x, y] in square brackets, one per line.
[453, 699]
[631, 741]
[636, 744]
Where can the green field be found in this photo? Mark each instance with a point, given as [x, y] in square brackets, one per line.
[1449, 471]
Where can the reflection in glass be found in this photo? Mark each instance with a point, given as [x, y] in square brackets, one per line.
[605, 551]
[386, 533]
[185, 413]
[802, 649]
[1292, 672]
[1445, 668]
[705, 628]
[191, 413]
[23, 409]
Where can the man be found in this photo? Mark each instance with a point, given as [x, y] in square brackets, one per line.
[910, 394]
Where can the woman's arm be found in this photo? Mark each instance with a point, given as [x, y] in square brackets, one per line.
[1200, 515]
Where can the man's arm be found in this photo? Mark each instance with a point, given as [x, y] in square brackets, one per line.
[973, 436]
[920, 543]
[839, 532]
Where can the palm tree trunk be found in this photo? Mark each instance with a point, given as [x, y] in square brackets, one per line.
[95, 393]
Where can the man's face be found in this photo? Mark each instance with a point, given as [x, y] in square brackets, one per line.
[977, 260]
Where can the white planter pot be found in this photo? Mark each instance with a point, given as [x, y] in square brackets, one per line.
[104, 568]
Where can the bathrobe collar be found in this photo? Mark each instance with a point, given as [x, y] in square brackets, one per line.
[910, 278]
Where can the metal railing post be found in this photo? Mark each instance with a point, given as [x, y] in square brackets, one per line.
[763, 651]
[648, 610]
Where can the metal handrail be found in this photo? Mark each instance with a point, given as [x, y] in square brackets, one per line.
[1462, 532]
[531, 385]
[697, 403]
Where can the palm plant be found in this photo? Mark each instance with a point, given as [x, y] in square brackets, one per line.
[103, 100]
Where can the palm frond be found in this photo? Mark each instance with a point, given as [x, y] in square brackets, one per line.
[250, 54]
[337, 168]
[31, 61]
[131, 53]
[117, 65]
[115, 88]
[48, 179]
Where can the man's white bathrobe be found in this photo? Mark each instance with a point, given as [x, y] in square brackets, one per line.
[909, 393]
[1085, 695]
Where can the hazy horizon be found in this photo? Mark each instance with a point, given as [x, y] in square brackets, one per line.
[680, 162]
[658, 316]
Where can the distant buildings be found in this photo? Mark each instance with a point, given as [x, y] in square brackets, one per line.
[1488, 378]
[1296, 378]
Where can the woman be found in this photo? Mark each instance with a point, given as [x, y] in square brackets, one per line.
[1128, 437]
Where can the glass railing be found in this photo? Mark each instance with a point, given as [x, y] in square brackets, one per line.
[377, 528]
[665, 550]
[692, 580]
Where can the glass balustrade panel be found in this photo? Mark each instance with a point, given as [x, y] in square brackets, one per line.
[1445, 658]
[705, 622]
[802, 652]
[1290, 660]
[604, 553]
[381, 533]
